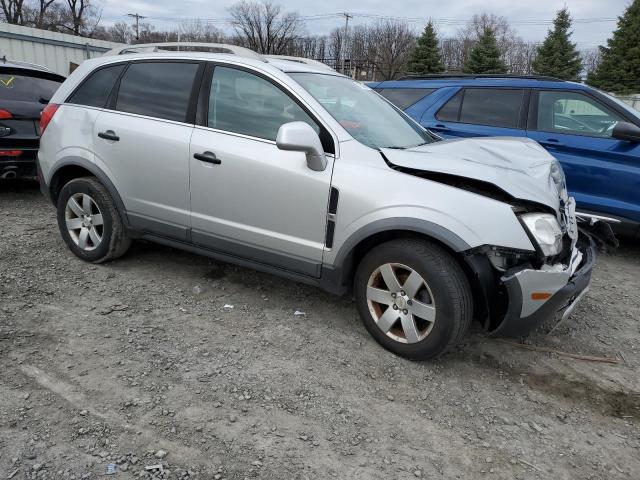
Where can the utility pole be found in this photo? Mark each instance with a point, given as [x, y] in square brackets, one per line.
[138, 18]
[344, 39]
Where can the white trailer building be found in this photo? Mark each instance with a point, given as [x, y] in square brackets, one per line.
[58, 52]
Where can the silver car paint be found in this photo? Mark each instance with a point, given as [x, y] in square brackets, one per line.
[259, 195]
[149, 165]
[245, 199]
[519, 166]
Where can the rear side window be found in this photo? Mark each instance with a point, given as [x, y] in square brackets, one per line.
[95, 90]
[484, 106]
[157, 89]
[493, 107]
[25, 88]
[404, 97]
[450, 112]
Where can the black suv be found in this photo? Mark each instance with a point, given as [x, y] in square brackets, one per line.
[24, 90]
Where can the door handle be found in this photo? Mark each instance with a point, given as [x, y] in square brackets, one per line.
[109, 135]
[551, 142]
[208, 157]
[439, 128]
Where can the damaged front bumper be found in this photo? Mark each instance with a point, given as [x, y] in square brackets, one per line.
[537, 295]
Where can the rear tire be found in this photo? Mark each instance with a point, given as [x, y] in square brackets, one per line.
[89, 222]
[413, 297]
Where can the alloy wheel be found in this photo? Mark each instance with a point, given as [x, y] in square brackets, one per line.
[84, 221]
[401, 303]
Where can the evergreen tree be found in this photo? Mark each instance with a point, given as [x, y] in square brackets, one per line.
[425, 57]
[557, 56]
[619, 71]
[485, 56]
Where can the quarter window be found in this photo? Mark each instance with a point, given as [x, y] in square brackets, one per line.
[95, 90]
[242, 102]
[157, 89]
[574, 113]
[403, 98]
[450, 112]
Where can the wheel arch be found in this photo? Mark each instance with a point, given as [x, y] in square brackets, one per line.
[338, 278]
[77, 167]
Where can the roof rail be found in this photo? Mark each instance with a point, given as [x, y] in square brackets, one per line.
[440, 76]
[186, 47]
[303, 60]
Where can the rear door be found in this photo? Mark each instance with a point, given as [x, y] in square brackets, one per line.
[142, 141]
[603, 173]
[481, 112]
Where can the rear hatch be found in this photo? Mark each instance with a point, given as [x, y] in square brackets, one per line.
[23, 95]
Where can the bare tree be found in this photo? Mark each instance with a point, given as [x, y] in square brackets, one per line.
[13, 11]
[197, 31]
[77, 10]
[591, 58]
[391, 44]
[263, 26]
[43, 7]
[121, 32]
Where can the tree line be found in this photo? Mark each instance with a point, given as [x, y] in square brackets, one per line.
[383, 50]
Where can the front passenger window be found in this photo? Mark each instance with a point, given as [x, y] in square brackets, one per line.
[574, 113]
[241, 102]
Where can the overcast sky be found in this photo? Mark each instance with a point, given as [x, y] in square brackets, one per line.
[592, 27]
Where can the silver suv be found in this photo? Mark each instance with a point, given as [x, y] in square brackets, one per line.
[288, 167]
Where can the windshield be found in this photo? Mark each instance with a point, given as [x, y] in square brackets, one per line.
[368, 117]
[26, 88]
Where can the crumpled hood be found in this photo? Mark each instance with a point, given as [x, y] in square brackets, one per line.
[519, 166]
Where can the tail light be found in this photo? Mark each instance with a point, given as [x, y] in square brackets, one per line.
[5, 114]
[10, 153]
[47, 115]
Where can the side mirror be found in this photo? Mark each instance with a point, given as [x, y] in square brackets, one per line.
[626, 131]
[300, 137]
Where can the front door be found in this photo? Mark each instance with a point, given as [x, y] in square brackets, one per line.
[143, 142]
[248, 198]
[603, 173]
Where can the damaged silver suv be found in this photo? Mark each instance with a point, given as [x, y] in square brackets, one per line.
[286, 166]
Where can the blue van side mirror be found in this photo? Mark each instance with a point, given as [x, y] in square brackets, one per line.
[626, 131]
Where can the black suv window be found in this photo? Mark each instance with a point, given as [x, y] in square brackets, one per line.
[404, 97]
[20, 86]
[95, 90]
[245, 103]
[157, 89]
[485, 106]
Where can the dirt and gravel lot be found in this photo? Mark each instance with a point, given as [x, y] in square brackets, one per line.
[143, 362]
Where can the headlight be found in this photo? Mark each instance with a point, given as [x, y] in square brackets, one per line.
[545, 229]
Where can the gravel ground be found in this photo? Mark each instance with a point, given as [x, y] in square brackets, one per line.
[204, 370]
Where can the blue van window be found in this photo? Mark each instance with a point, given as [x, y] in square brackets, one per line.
[492, 107]
[574, 113]
[450, 112]
[403, 98]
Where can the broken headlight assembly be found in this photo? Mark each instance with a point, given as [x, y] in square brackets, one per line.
[545, 230]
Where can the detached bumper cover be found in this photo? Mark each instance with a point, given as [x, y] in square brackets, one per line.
[567, 285]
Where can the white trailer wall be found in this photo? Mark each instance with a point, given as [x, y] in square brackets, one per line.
[56, 51]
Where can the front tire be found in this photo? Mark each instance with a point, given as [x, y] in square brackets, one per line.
[413, 297]
[89, 222]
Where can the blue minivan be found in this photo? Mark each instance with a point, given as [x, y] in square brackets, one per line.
[595, 136]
